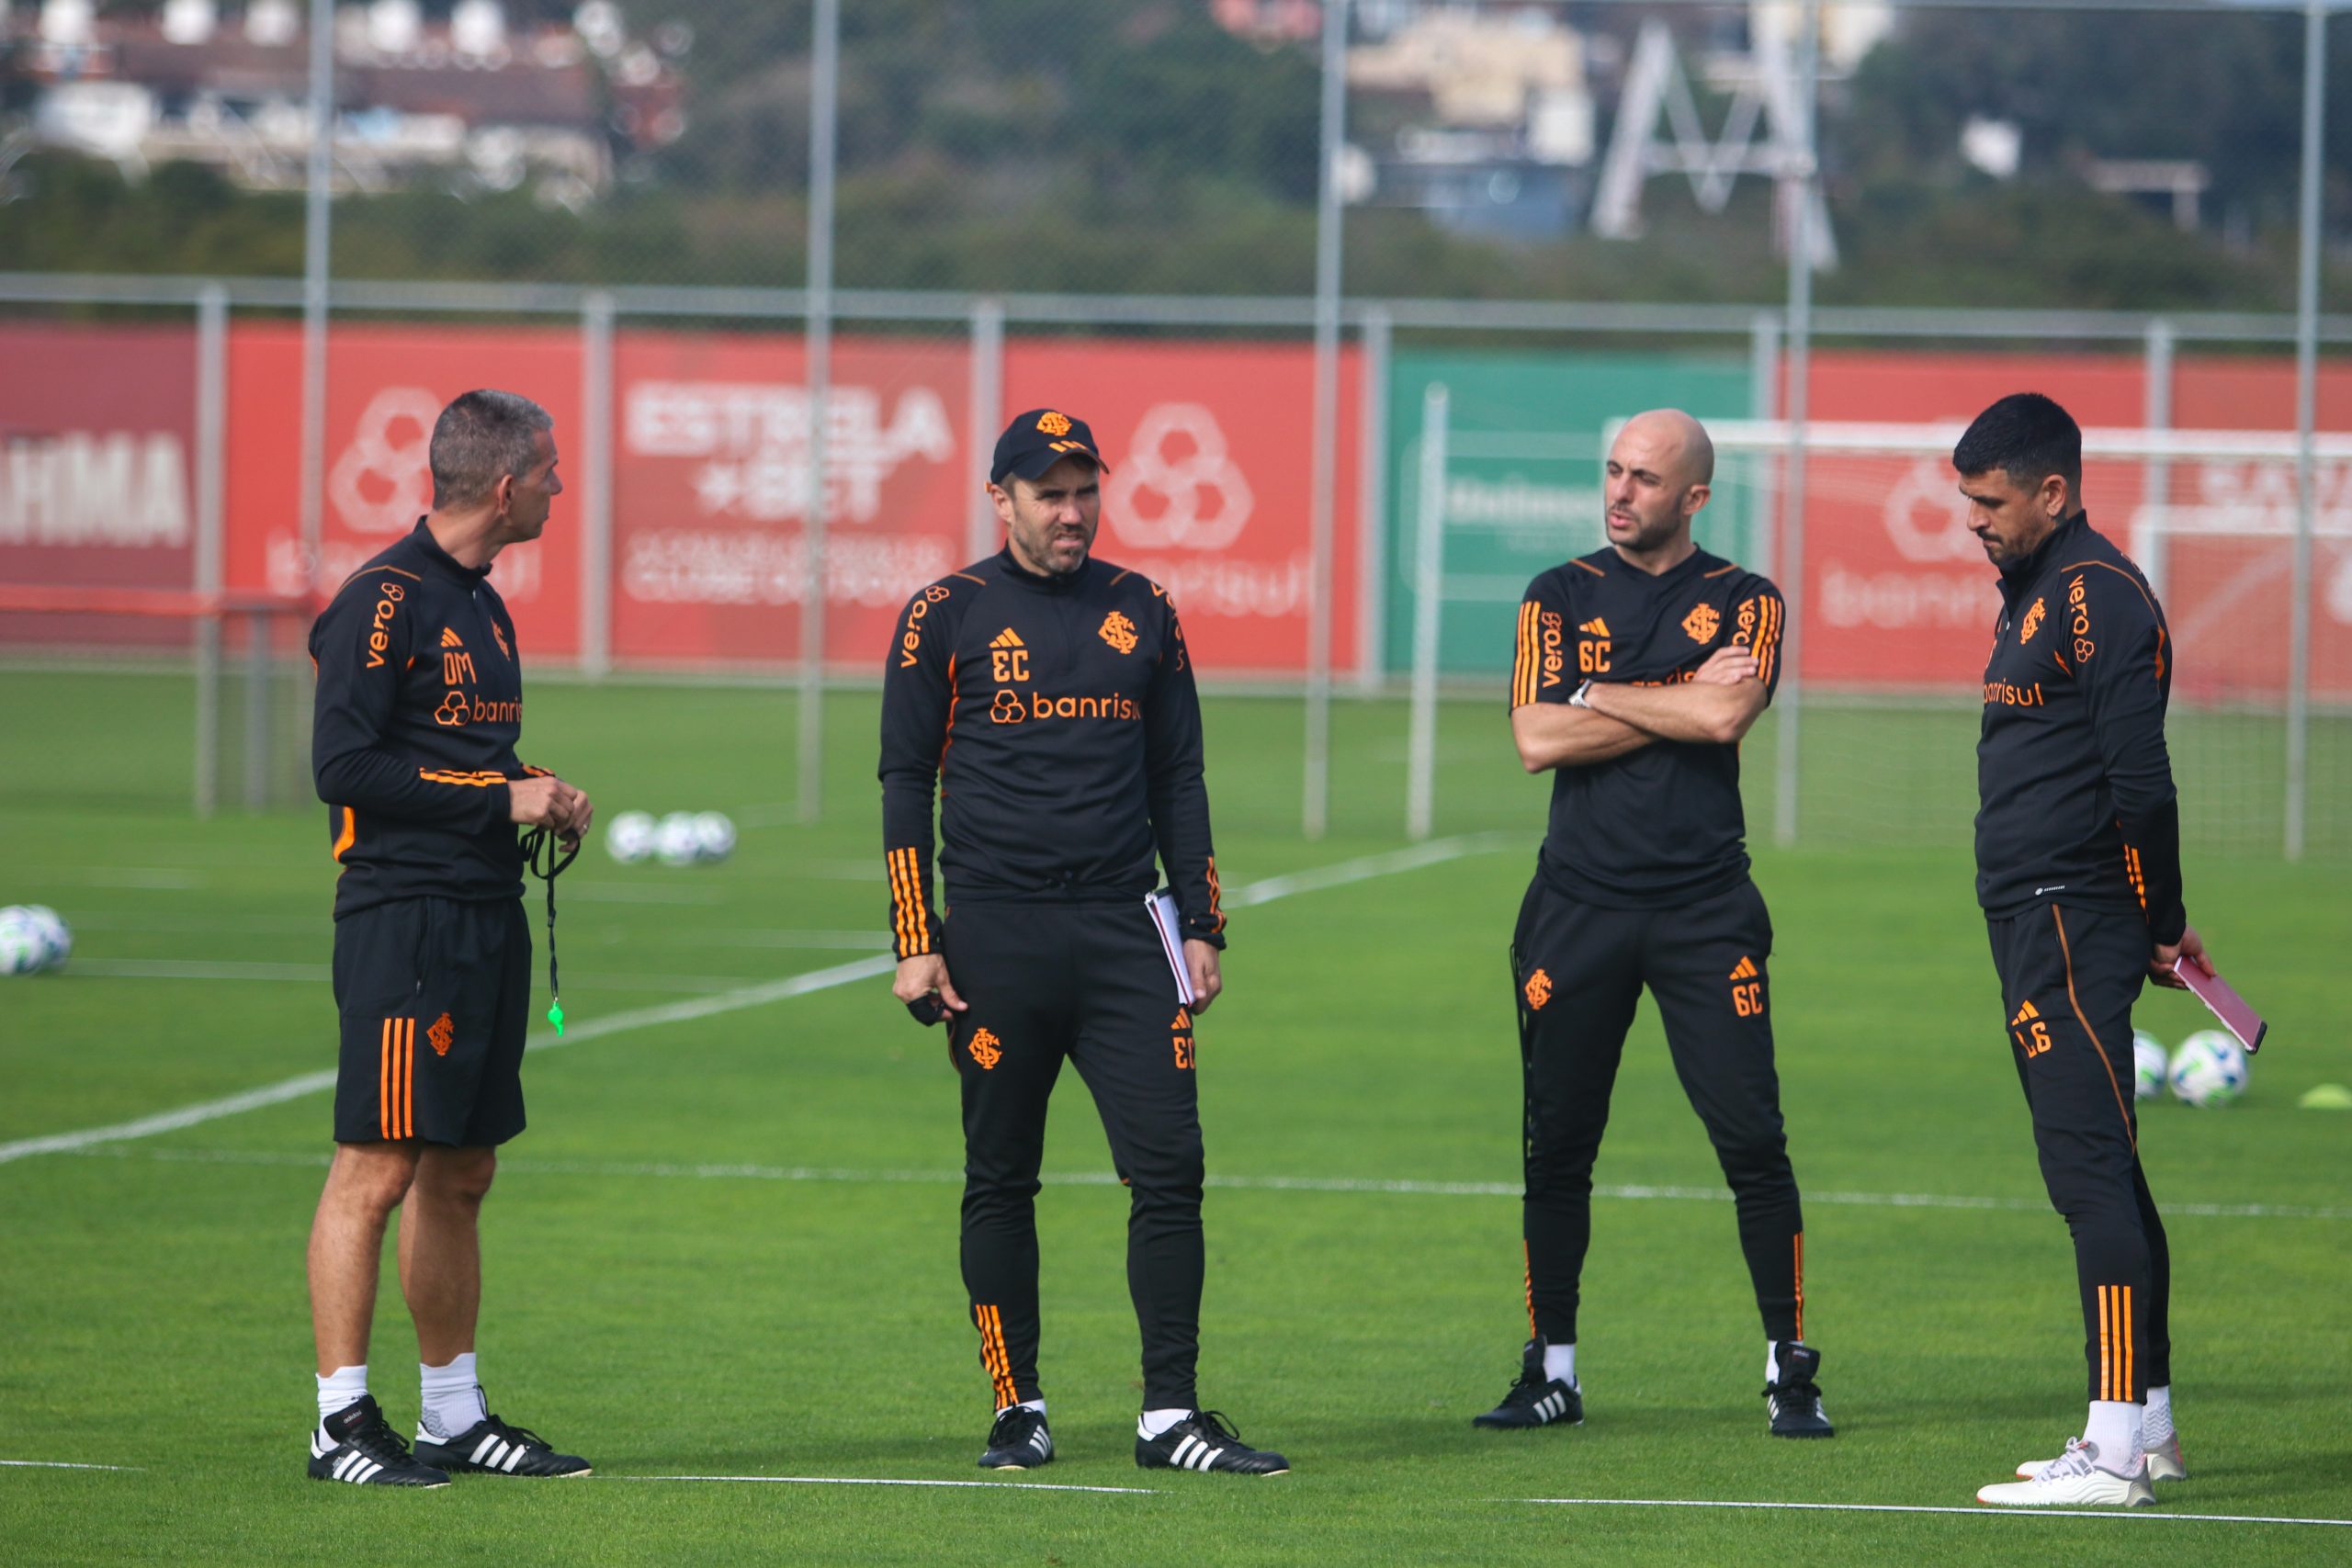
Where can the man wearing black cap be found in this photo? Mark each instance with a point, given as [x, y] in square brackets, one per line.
[1048, 699]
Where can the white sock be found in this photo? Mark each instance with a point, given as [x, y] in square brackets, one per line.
[340, 1389]
[1771, 1361]
[1155, 1422]
[1036, 1405]
[1560, 1363]
[453, 1401]
[2155, 1418]
[2114, 1430]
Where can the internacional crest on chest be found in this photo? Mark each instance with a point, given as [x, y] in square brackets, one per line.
[1119, 632]
[2032, 622]
[1702, 624]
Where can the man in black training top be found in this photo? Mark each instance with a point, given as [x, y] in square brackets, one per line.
[1049, 697]
[2078, 872]
[420, 703]
[1639, 667]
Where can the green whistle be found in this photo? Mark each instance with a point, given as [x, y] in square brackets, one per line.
[555, 1016]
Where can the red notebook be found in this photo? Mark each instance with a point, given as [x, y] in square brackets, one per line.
[2222, 999]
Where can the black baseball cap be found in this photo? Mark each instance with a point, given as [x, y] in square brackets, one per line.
[1035, 441]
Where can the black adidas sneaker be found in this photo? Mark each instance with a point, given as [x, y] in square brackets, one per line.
[1206, 1440]
[1018, 1441]
[357, 1444]
[1794, 1401]
[1535, 1400]
[491, 1447]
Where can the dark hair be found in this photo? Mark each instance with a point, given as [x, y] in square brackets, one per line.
[2027, 436]
[481, 439]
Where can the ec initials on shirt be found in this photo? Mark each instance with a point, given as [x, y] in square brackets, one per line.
[1008, 658]
[1592, 647]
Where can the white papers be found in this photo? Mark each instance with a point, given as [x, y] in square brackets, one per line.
[1168, 923]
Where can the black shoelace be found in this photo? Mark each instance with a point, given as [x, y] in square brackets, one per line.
[1216, 1421]
[546, 857]
[375, 1437]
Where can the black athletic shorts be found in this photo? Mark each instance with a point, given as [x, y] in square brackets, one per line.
[435, 994]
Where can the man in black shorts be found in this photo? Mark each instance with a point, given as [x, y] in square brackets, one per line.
[1639, 667]
[419, 705]
[1046, 699]
[2078, 872]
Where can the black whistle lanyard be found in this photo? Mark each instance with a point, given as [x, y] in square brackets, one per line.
[546, 858]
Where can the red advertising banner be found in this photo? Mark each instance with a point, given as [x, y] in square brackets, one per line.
[385, 386]
[96, 469]
[1210, 447]
[1898, 592]
[2228, 585]
[711, 489]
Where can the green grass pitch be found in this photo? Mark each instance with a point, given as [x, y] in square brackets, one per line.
[726, 1246]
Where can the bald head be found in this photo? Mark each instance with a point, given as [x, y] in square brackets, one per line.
[1655, 482]
[1675, 441]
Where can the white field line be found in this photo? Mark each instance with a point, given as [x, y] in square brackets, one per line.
[1980, 1511]
[1341, 1184]
[320, 974]
[878, 1481]
[59, 1464]
[1264, 892]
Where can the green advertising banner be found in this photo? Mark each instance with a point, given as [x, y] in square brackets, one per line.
[1522, 481]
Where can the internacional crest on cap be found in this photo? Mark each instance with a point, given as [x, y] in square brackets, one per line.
[1052, 424]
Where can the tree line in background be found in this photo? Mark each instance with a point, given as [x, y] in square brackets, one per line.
[1134, 146]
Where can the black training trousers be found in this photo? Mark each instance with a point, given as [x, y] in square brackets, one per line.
[1045, 981]
[2068, 979]
[1580, 970]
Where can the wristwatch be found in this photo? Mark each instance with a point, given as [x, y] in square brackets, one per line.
[1577, 697]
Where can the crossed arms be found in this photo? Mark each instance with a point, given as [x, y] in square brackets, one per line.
[1715, 706]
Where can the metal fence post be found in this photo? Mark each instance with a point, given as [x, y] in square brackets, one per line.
[1428, 588]
[1804, 172]
[2152, 545]
[1325, 458]
[211, 469]
[316, 263]
[820, 346]
[987, 419]
[1371, 502]
[2299, 633]
[596, 509]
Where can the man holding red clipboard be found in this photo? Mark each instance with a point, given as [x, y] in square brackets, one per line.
[2078, 872]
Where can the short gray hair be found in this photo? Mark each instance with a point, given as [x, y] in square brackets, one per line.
[481, 439]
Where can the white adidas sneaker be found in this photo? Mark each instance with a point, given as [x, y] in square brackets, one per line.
[2074, 1480]
[2164, 1463]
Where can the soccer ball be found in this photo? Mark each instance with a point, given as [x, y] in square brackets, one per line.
[714, 836]
[56, 937]
[2150, 1063]
[2209, 1069]
[24, 944]
[629, 839]
[678, 841]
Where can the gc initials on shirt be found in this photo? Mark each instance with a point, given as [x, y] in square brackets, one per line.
[1592, 656]
[1008, 658]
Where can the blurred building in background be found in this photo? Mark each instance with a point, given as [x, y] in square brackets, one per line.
[465, 99]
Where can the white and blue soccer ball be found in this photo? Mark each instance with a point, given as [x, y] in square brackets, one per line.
[628, 838]
[2209, 1069]
[21, 946]
[678, 841]
[714, 836]
[32, 938]
[2151, 1063]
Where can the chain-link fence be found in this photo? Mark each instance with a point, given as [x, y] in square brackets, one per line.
[781, 270]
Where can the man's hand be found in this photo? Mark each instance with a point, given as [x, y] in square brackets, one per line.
[2190, 947]
[1200, 964]
[1727, 666]
[543, 800]
[921, 975]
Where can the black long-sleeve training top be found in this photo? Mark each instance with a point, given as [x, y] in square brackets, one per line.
[1059, 720]
[1661, 825]
[419, 705]
[2075, 785]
